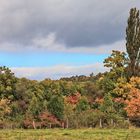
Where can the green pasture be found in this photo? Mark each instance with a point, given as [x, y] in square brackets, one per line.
[71, 134]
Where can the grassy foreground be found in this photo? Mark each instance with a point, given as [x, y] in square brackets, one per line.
[78, 134]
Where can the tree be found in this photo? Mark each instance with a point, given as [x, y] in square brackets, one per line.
[82, 105]
[91, 91]
[106, 84]
[73, 99]
[56, 106]
[68, 113]
[133, 106]
[133, 42]
[7, 83]
[133, 103]
[109, 110]
[4, 109]
[117, 63]
[48, 120]
[122, 88]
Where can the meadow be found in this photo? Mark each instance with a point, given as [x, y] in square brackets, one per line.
[71, 134]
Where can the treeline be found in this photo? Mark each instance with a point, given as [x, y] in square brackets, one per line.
[49, 103]
[110, 99]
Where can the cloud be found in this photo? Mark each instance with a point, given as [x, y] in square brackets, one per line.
[80, 23]
[56, 72]
[50, 44]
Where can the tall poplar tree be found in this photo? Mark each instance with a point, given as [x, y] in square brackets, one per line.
[133, 42]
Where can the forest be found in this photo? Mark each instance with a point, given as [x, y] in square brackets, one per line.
[106, 100]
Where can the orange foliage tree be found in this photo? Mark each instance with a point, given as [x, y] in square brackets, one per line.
[133, 101]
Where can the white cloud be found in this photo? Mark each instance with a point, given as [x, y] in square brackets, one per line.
[58, 71]
[48, 43]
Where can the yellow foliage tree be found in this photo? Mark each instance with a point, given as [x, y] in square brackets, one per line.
[4, 108]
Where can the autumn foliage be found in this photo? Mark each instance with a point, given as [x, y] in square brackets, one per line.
[107, 99]
[73, 99]
[133, 103]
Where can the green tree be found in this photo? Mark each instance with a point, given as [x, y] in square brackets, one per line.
[108, 109]
[117, 63]
[91, 90]
[133, 42]
[68, 114]
[56, 106]
[82, 105]
[7, 83]
[36, 96]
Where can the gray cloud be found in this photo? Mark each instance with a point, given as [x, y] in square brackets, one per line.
[89, 23]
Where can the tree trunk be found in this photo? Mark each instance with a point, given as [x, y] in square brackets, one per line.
[50, 125]
[67, 123]
[112, 122]
[34, 126]
[101, 123]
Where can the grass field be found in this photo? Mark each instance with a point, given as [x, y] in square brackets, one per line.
[78, 134]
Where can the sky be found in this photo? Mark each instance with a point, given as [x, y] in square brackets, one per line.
[59, 38]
